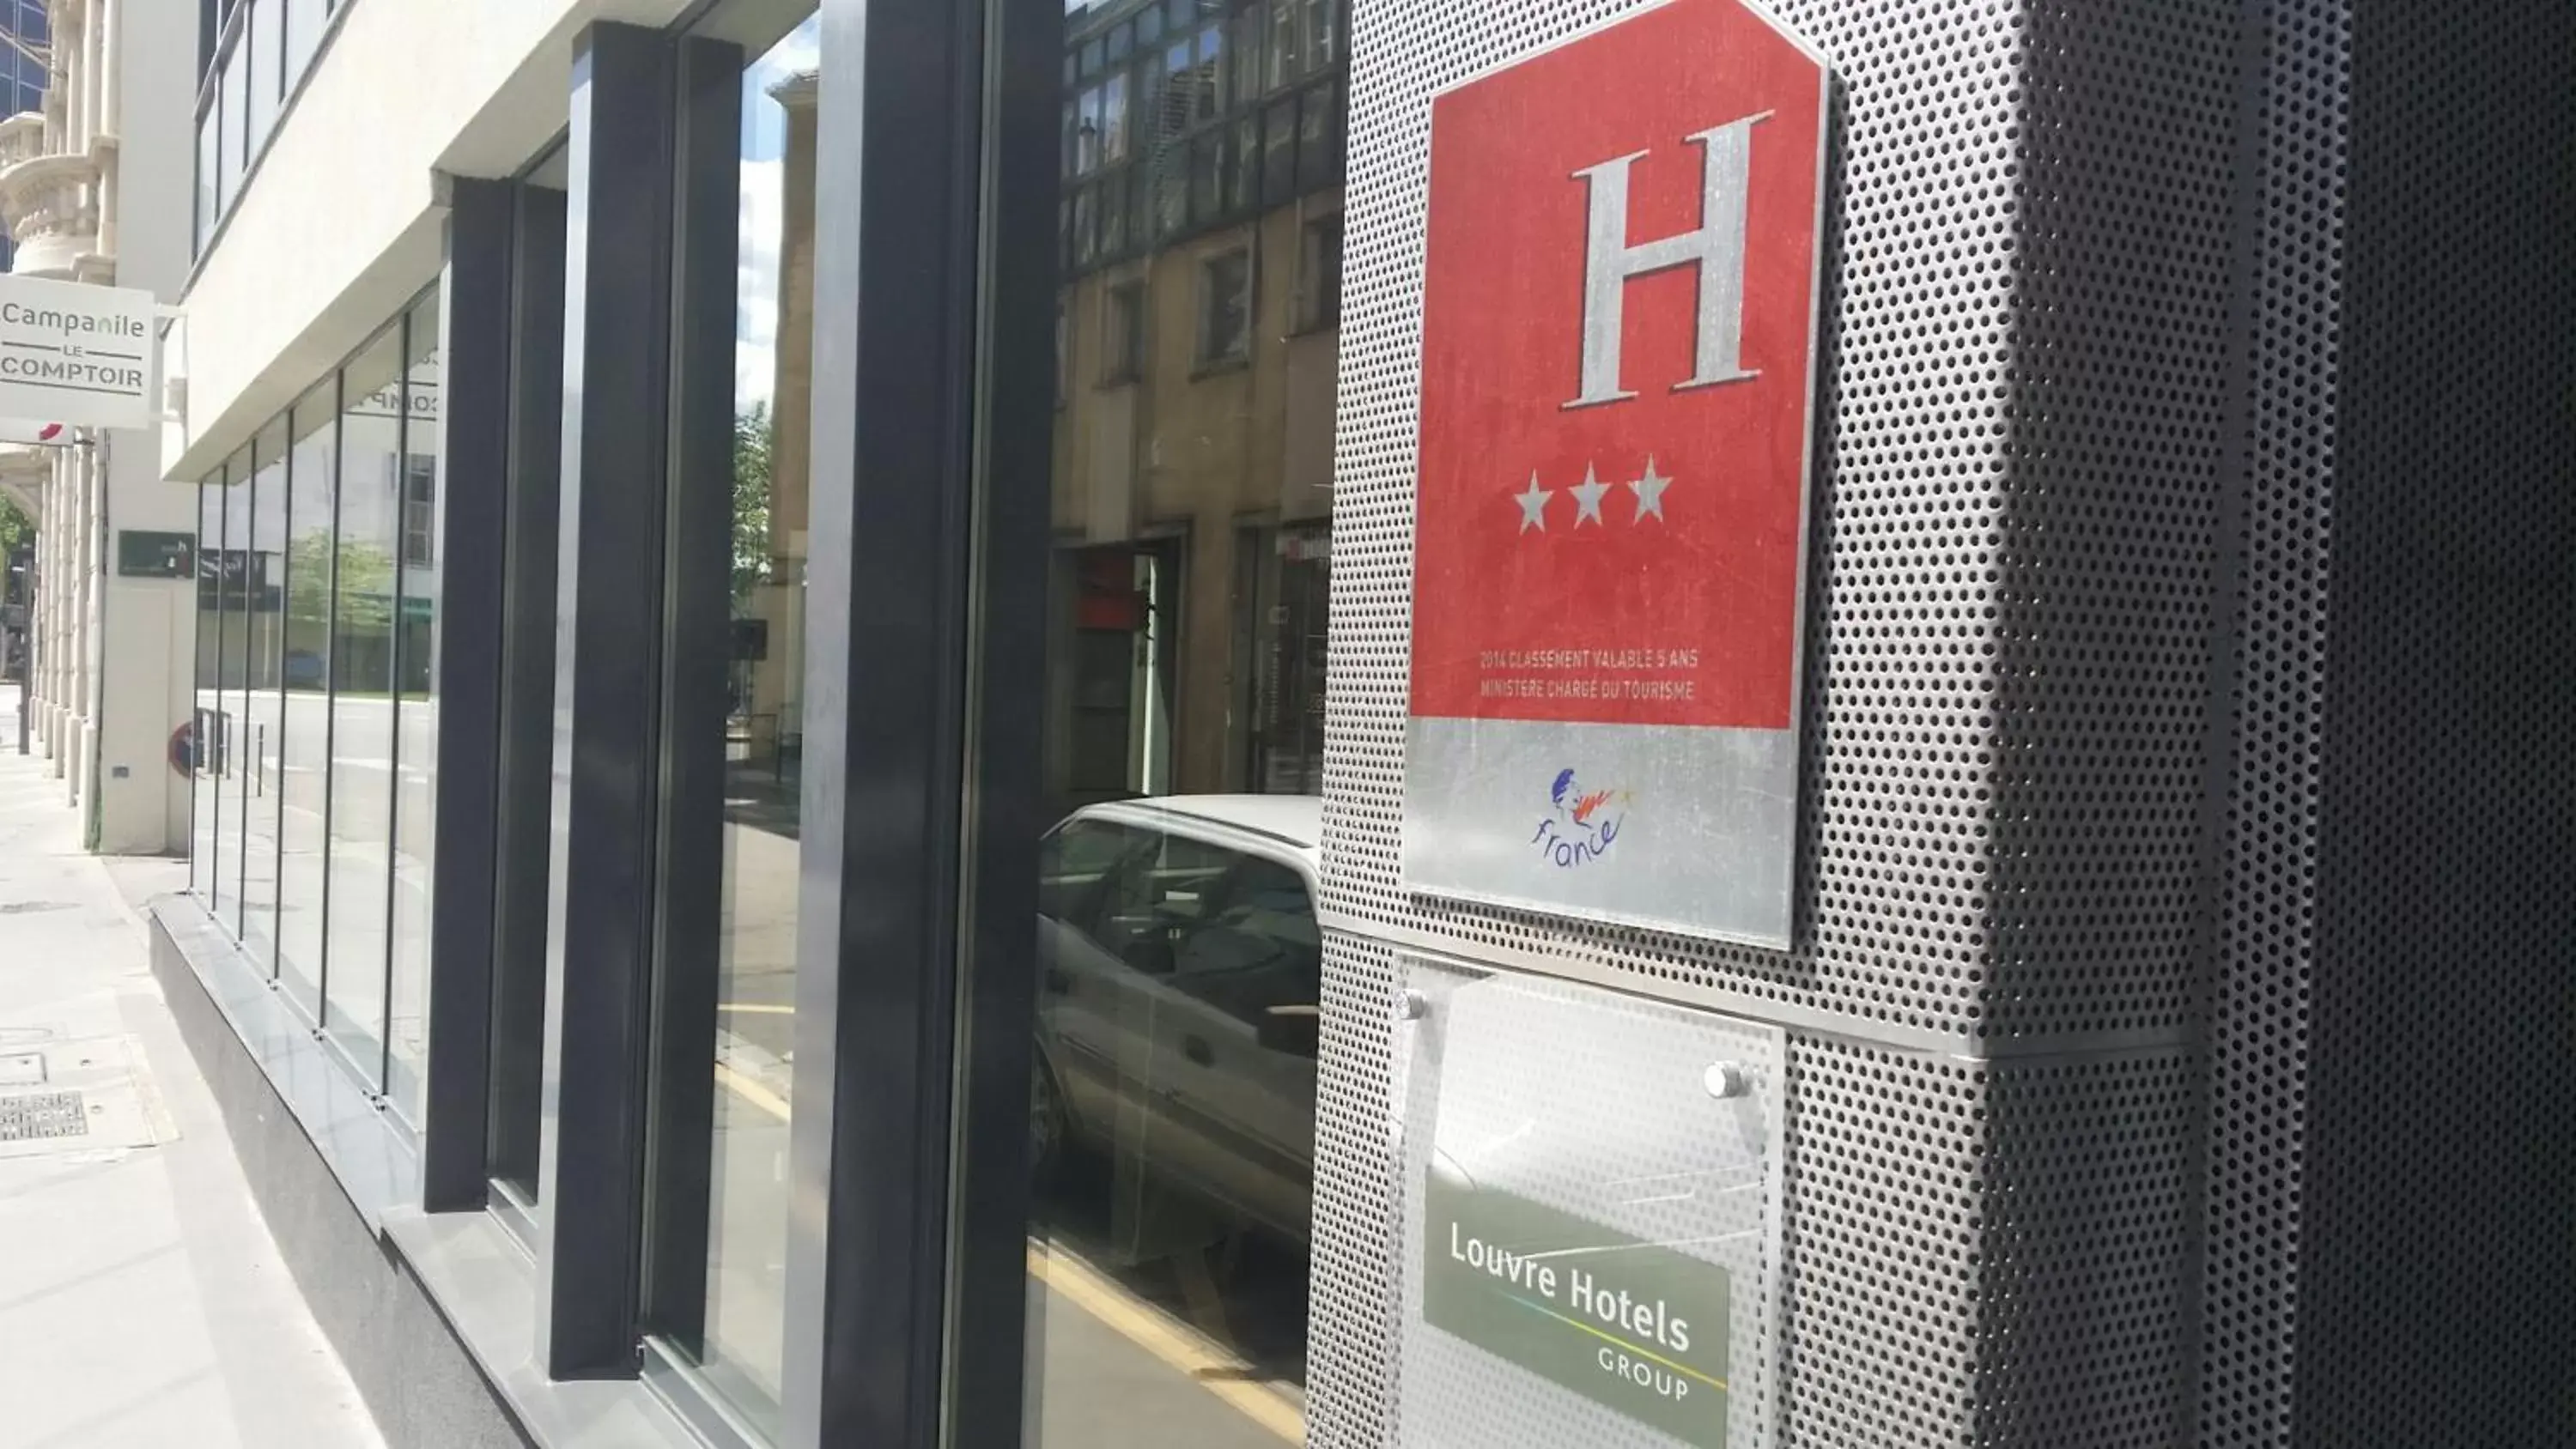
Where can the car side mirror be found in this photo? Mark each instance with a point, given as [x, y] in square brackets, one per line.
[1295, 1030]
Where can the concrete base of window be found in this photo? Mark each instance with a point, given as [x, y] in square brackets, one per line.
[416, 1375]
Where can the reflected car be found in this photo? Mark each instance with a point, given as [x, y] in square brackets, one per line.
[1180, 981]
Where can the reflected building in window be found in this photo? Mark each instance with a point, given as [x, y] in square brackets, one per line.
[1201, 250]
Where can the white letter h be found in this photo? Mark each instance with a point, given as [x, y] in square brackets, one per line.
[1717, 247]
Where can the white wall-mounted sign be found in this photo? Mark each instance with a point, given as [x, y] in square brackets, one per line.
[77, 354]
[1589, 1187]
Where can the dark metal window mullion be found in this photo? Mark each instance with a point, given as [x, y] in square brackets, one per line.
[873, 1331]
[477, 382]
[688, 936]
[617, 370]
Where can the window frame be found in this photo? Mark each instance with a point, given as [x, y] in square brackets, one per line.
[1211, 352]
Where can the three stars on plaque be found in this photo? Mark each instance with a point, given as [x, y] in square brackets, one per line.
[1647, 493]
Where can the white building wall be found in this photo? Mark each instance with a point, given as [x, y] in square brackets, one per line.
[341, 219]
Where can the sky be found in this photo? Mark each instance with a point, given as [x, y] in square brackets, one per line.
[764, 141]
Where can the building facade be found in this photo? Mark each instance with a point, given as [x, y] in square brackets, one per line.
[800, 714]
[91, 191]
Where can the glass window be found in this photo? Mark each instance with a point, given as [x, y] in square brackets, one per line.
[1286, 52]
[1225, 306]
[1207, 178]
[1279, 152]
[233, 761]
[1207, 96]
[1113, 214]
[366, 587]
[1243, 168]
[1177, 956]
[236, 111]
[1319, 273]
[1086, 145]
[260, 46]
[416, 638]
[209, 172]
[1247, 55]
[204, 851]
[263, 704]
[1113, 119]
[1122, 333]
[527, 647]
[734, 779]
[1319, 138]
[304, 22]
[304, 747]
[1322, 33]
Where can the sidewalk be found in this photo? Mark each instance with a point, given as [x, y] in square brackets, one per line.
[142, 1302]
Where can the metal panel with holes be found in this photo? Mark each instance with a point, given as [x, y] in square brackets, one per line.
[2185, 730]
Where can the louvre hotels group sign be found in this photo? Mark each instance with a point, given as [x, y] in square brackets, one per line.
[1617, 380]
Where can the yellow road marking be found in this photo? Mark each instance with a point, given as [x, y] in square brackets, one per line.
[751, 1091]
[755, 1009]
[1211, 1369]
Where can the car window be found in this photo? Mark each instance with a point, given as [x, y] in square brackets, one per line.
[1163, 889]
[1075, 864]
[1259, 953]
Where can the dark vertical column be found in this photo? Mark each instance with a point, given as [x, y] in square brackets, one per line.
[617, 294]
[698, 604]
[475, 463]
[527, 650]
[1014, 473]
[878, 925]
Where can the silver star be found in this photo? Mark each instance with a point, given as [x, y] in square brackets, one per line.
[1534, 505]
[1587, 497]
[1650, 493]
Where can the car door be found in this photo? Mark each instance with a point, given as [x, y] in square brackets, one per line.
[1094, 1027]
[1239, 1029]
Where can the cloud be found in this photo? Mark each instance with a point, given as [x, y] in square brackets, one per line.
[761, 230]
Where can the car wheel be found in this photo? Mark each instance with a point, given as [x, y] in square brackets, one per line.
[1046, 1122]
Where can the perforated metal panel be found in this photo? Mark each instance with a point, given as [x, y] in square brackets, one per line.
[2191, 696]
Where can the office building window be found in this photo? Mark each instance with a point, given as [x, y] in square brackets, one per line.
[733, 740]
[205, 853]
[304, 748]
[263, 697]
[1177, 958]
[263, 56]
[415, 707]
[366, 599]
[1122, 333]
[1319, 273]
[525, 787]
[1225, 307]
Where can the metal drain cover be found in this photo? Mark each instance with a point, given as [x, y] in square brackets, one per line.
[25, 1116]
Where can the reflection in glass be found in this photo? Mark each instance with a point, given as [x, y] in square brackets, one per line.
[209, 173]
[264, 563]
[204, 864]
[366, 597]
[755, 758]
[304, 746]
[261, 52]
[232, 762]
[236, 111]
[416, 640]
[1178, 958]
